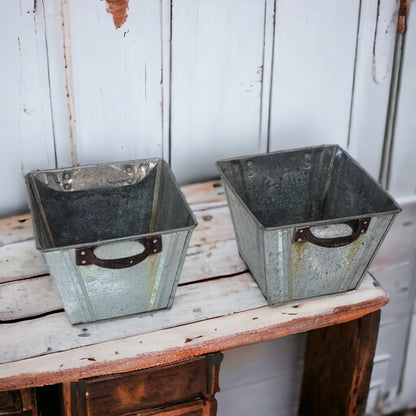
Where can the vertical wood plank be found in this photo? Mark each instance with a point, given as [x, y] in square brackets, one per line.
[25, 116]
[267, 73]
[217, 59]
[116, 81]
[56, 34]
[402, 181]
[166, 34]
[338, 366]
[372, 80]
[313, 72]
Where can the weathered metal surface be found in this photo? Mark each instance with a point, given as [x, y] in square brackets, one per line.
[114, 236]
[308, 221]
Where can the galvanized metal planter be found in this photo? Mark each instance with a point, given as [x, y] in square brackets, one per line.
[308, 221]
[114, 235]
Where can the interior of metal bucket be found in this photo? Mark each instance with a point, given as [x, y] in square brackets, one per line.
[304, 185]
[105, 202]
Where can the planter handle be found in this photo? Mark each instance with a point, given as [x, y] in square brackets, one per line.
[359, 227]
[85, 255]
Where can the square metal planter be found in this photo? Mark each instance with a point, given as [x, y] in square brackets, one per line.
[308, 221]
[113, 235]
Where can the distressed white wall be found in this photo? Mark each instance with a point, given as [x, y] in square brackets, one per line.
[216, 85]
[397, 260]
[25, 108]
[197, 80]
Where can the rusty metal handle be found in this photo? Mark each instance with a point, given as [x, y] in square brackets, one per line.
[359, 227]
[85, 255]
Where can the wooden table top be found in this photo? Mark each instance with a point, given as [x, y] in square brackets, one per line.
[217, 306]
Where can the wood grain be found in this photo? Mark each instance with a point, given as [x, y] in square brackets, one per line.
[192, 408]
[204, 192]
[116, 77]
[21, 260]
[213, 225]
[15, 229]
[193, 303]
[177, 343]
[313, 71]
[372, 81]
[18, 403]
[217, 64]
[160, 387]
[27, 129]
[338, 366]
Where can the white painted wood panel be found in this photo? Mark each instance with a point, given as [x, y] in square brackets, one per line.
[283, 356]
[266, 397]
[407, 395]
[116, 77]
[378, 378]
[402, 181]
[313, 72]
[372, 80]
[59, 66]
[262, 379]
[21, 260]
[399, 246]
[25, 113]
[217, 64]
[392, 340]
[399, 282]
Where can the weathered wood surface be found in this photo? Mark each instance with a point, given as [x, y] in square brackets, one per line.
[21, 260]
[217, 306]
[145, 390]
[178, 342]
[312, 89]
[15, 229]
[26, 119]
[193, 303]
[338, 366]
[18, 402]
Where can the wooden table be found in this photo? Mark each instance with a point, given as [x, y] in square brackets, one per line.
[218, 306]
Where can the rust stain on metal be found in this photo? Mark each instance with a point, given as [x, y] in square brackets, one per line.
[351, 257]
[298, 252]
[118, 8]
[353, 248]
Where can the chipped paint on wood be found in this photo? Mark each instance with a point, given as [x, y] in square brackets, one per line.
[163, 345]
[65, 13]
[118, 8]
